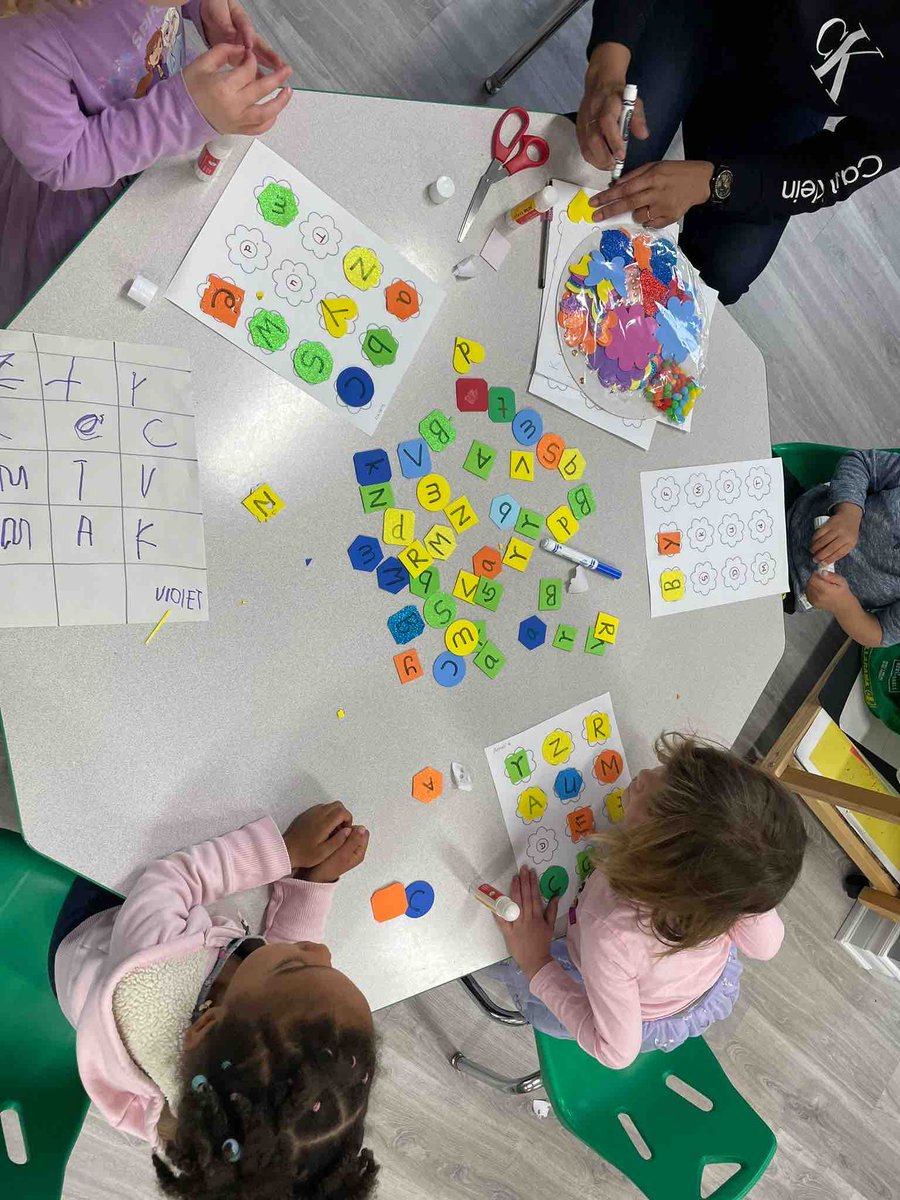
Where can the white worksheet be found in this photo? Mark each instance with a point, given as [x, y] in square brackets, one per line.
[100, 517]
[558, 783]
[287, 275]
[714, 534]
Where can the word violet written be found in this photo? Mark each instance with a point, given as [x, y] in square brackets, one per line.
[176, 597]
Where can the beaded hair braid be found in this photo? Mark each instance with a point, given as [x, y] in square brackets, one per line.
[274, 1117]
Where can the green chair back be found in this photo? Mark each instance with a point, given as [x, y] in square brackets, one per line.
[38, 1074]
[810, 463]
[682, 1138]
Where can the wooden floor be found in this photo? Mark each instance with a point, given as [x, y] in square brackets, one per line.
[814, 1043]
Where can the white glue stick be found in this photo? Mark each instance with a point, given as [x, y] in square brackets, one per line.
[818, 522]
[532, 208]
[487, 895]
[212, 156]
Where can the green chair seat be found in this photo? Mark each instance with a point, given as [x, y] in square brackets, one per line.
[810, 463]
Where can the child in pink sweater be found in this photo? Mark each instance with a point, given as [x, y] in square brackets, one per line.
[245, 1061]
[690, 876]
[94, 91]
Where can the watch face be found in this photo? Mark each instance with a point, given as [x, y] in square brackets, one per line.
[722, 187]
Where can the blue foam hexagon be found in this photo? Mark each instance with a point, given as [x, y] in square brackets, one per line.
[568, 785]
[532, 633]
[392, 576]
[505, 511]
[365, 553]
[405, 624]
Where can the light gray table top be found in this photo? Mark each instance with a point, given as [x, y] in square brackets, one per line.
[121, 752]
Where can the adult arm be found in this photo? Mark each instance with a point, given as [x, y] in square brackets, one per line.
[621, 21]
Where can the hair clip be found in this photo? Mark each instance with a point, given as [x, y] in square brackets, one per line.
[231, 1149]
[199, 1083]
[317, 1106]
[226, 1063]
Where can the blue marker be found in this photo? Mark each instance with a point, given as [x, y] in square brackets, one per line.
[583, 560]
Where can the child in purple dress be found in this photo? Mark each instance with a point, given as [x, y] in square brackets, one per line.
[89, 97]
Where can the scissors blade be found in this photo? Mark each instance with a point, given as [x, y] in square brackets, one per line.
[481, 190]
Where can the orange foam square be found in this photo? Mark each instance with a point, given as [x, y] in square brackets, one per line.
[389, 902]
[670, 542]
[222, 300]
[409, 666]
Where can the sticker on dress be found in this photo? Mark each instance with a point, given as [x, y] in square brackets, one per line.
[666, 493]
[379, 345]
[320, 236]
[700, 534]
[313, 362]
[248, 249]
[267, 330]
[704, 578]
[277, 202]
[531, 805]
[294, 282]
[221, 298]
[402, 300]
[734, 573]
[337, 314]
[542, 845]
[362, 268]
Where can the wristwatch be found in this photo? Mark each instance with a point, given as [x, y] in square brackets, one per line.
[720, 184]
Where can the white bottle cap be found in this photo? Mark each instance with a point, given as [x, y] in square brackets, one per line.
[142, 291]
[507, 909]
[630, 93]
[546, 197]
[442, 189]
[221, 145]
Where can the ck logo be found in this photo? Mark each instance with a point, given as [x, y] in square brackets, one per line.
[835, 44]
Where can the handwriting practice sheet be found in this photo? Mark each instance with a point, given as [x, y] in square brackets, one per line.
[714, 534]
[289, 276]
[557, 783]
[100, 518]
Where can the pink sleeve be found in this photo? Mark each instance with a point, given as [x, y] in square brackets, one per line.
[169, 898]
[297, 911]
[604, 1016]
[759, 937]
[42, 123]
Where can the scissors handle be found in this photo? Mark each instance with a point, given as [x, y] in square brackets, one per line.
[521, 150]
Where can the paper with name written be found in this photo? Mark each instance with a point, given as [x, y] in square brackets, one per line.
[558, 783]
[714, 534]
[290, 277]
[100, 517]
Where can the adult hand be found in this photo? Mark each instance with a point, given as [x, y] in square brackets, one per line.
[230, 99]
[344, 859]
[656, 194]
[830, 593]
[838, 536]
[316, 834]
[227, 22]
[528, 938]
[601, 107]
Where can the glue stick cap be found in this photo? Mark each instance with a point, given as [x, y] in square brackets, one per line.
[507, 909]
[630, 93]
[546, 198]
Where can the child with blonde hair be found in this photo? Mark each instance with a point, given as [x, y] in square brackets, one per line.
[708, 846]
[87, 100]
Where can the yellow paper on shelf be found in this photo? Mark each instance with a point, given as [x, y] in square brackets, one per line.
[827, 750]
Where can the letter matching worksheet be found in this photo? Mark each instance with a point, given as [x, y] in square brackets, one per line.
[100, 517]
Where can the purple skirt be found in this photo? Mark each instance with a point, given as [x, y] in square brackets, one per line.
[663, 1034]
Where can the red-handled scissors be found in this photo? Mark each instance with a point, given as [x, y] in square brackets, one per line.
[510, 155]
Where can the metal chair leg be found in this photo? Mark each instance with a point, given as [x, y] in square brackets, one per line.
[495, 82]
[506, 1016]
[514, 1087]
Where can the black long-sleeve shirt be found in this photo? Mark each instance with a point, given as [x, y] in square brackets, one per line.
[838, 59]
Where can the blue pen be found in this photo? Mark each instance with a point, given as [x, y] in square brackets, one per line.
[583, 560]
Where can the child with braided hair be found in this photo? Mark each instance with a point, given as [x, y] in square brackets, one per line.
[246, 1061]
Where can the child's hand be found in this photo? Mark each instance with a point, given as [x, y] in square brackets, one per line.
[316, 834]
[344, 859]
[227, 21]
[528, 938]
[838, 535]
[829, 592]
[229, 99]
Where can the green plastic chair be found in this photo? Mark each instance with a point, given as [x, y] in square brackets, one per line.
[680, 1111]
[810, 463]
[38, 1074]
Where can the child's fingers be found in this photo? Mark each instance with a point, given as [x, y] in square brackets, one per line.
[266, 55]
[268, 113]
[245, 73]
[222, 55]
[330, 845]
[243, 26]
[259, 88]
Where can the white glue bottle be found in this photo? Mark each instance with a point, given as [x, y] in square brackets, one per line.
[491, 898]
[532, 208]
[212, 156]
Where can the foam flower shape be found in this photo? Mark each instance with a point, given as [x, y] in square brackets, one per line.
[666, 493]
[248, 249]
[728, 485]
[616, 243]
[542, 845]
[700, 534]
[704, 578]
[611, 375]
[759, 482]
[697, 490]
[293, 282]
[679, 329]
[602, 269]
[633, 339]
[731, 530]
[320, 236]
[734, 573]
[663, 257]
[760, 526]
[763, 567]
